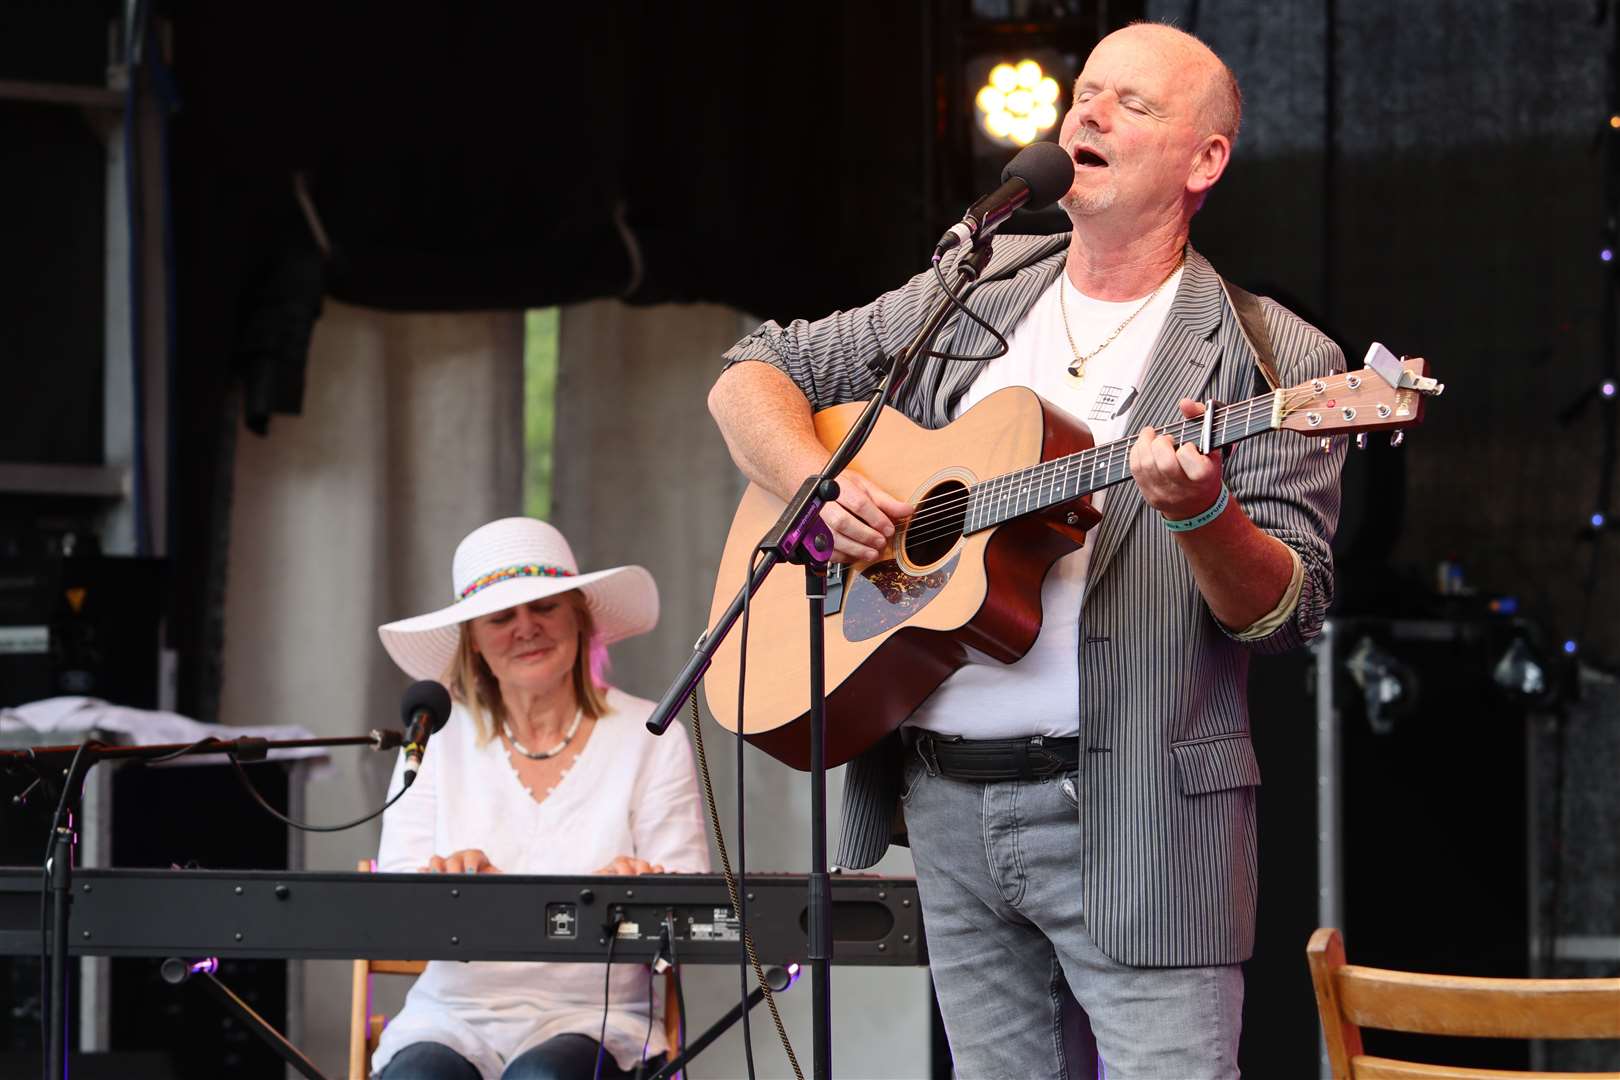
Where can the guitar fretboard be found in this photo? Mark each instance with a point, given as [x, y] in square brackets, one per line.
[1002, 498]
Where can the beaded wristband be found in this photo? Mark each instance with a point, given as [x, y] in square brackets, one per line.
[1189, 524]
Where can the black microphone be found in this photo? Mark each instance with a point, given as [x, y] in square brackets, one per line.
[1037, 176]
[424, 709]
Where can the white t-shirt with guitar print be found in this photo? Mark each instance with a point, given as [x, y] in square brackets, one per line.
[1038, 695]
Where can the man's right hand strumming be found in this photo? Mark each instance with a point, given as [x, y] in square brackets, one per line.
[863, 519]
[767, 427]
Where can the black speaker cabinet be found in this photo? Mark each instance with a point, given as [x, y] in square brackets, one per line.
[186, 815]
[1393, 805]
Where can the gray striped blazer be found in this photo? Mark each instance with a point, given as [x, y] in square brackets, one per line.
[1166, 783]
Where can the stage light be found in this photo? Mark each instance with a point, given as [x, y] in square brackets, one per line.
[1521, 671]
[1607, 254]
[1606, 388]
[1389, 688]
[1614, 121]
[1017, 103]
[1598, 520]
[1570, 648]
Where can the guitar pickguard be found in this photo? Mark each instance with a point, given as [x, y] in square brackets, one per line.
[884, 595]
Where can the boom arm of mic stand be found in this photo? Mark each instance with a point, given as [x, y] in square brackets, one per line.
[814, 493]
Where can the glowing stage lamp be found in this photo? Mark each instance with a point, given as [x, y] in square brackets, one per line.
[1017, 103]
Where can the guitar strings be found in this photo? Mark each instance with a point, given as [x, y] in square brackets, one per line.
[1037, 484]
[1041, 474]
[1033, 484]
[1039, 480]
[1045, 477]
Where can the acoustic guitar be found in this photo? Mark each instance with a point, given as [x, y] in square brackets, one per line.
[966, 568]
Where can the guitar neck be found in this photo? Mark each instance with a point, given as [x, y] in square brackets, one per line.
[1026, 491]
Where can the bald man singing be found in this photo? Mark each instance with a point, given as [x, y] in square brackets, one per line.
[1083, 820]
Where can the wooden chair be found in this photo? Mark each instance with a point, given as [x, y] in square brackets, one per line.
[1350, 998]
[365, 1027]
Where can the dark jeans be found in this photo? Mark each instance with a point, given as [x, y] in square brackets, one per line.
[566, 1057]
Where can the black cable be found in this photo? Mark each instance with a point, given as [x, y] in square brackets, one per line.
[607, 991]
[182, 752]
[241, 774]
[646, 1040]
[731, 886]
[958, 303]
[742, 840]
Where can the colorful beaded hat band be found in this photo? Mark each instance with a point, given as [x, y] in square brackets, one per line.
[509, 572]
[514, 561]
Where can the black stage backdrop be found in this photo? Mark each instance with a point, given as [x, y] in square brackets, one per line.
[1425, 174]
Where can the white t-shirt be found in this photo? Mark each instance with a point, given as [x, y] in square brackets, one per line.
[1040, 693]
[629, 792]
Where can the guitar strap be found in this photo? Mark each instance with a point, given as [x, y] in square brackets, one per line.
[1252, 324]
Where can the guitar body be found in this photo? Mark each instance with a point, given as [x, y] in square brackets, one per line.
[904, 621]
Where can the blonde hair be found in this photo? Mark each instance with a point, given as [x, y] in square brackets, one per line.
[473, 684]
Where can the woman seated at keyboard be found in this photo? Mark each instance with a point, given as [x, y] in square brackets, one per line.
[541, 769]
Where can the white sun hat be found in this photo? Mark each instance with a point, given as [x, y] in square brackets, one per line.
[510, 562]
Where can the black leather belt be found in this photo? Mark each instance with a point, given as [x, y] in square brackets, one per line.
[988, 760]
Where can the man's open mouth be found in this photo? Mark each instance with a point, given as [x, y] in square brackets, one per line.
[1087, 158]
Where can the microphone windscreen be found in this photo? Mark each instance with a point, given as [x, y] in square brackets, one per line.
[429, 697]
[1048, 170]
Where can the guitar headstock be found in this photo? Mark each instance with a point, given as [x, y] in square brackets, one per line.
[1386, 393]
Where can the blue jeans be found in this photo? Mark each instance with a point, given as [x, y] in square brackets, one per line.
[565, 1057]
[1017, 975]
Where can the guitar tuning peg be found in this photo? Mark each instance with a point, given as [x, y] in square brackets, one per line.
[1397, 437]
[1361, 440]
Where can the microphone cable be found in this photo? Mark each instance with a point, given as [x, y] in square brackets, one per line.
[646, 1040]
[247, 785]
[612, 927]
[731, 887]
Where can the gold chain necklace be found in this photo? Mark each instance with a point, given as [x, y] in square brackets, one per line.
[1077, 369]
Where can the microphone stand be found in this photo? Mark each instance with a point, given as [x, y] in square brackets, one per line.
[46, 762]
[800, 536]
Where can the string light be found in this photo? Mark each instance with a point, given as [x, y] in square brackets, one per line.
[1570, 648]
[1598, 520]
[1606, 388]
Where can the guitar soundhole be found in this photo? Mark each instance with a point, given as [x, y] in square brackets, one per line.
[936, 524]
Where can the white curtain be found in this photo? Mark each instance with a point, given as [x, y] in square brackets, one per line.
[346, 517]
[642, 476]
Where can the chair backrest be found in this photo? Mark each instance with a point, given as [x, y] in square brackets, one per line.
[364, 1027]
[1349, 998]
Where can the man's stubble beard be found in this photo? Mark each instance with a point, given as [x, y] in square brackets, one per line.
[1088, 204]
